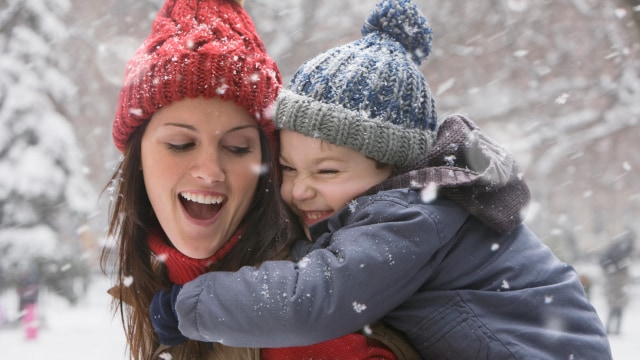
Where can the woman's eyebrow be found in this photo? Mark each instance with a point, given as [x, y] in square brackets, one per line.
[242, 127]
[181, 125]
[193, 128]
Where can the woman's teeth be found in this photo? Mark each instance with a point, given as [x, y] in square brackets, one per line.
[202, 199]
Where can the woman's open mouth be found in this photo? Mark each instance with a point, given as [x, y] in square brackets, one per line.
[201, 206]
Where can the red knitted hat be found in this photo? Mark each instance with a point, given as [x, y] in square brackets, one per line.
[206, 48]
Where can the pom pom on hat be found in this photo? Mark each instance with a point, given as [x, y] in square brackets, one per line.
[405, 24]
[206, 48]
[368, 95]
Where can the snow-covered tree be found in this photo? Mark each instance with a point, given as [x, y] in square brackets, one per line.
[44, 195]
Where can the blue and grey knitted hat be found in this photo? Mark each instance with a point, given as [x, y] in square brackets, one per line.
[368, 95]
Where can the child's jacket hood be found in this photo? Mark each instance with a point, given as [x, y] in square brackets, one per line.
[472, 170]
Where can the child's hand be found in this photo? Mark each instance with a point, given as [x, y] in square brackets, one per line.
[164, 317]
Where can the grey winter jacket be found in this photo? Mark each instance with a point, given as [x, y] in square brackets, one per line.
[457, 287]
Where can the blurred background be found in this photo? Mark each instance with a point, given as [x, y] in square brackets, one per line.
[556, 82]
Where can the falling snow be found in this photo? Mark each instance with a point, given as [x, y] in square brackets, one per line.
[304, 262]
[358, 307]
[367, 330]
[562, 99]
[260, 169]
[450, 160]
[353, 206]
[505, 285]
[429, 193]
[85, 331]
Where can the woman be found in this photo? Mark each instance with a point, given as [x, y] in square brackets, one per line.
[196, 142]
[196, 190]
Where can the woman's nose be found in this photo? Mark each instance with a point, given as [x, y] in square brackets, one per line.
[207, 167]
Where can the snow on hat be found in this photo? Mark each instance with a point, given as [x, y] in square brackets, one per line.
[368, 95]
[206, 48]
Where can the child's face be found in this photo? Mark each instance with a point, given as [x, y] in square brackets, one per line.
[319, 178]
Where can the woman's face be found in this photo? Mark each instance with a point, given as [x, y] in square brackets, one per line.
[201, 163]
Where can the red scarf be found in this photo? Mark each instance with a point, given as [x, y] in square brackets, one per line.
[349, 347]
[182, 268]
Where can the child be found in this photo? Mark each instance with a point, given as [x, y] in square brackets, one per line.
[455, 270]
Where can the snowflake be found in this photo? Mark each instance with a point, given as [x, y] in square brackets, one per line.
[505, 285]
[620, 13]
[367, 330]
[304, 262]
[450, 160]
[222, 89]
[265, 291]
[429, 193]
[260, 169]
[359, 307]
[353, 206]
[135, 111]
[521, 53]
[162, 257]
[562, 99]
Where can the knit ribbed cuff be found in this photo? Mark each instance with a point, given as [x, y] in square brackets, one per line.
[380, 140]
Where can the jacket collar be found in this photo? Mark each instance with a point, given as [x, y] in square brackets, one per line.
[471, 169]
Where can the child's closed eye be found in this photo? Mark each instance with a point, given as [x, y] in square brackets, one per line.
[328, 171]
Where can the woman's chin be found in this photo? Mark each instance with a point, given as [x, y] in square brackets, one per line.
[196, 252]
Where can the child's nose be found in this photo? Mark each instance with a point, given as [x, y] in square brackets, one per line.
[302, 189]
